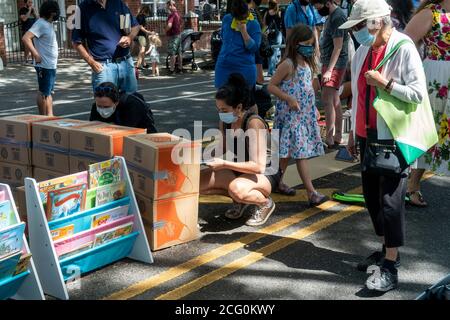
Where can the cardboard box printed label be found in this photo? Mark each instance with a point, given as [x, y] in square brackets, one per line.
[104, 140]
[16, 137]
[169, 222]
[153, 172]
[51, 142]
[14, 174]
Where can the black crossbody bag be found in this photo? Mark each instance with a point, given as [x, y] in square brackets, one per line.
[381, 157]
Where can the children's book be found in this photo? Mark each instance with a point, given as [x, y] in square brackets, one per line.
[2, 195]
[109, 216]
[66, 201]
[22, 266]
[8, 264]
[63, 246]
[111, 234]
[106, 172]
[91, 195]
[11, 239]
[7, 216]
[109, 193]
[62, 232]
[61, 182]
[81, 248]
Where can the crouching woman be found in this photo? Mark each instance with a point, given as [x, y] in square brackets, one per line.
[242, 174]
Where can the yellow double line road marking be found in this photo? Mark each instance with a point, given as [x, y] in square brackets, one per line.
[152, 282]
[253, 257]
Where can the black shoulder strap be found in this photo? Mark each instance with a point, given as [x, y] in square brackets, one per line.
[123, 98]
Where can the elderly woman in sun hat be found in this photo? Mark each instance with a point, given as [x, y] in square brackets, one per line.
[402, 77]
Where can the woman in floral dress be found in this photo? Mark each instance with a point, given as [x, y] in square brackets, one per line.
[431, 24]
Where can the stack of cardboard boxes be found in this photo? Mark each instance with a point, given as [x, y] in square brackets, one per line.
[167, 190]
[48, 147]
[16, 148]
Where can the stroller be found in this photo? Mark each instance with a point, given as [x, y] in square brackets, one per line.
[188, 38]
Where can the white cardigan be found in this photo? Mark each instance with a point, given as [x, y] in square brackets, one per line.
[404, 67]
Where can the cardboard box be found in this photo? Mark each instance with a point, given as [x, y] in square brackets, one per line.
[97, 143]
[40, 174]
[14, 174]
[51, 142]
[21, 204]
[16, 137]
[169, 222]
[78, 164]
[153, 172]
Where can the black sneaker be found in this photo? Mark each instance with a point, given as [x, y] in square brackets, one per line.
[382, 280]
[171, 72]
[377, 259]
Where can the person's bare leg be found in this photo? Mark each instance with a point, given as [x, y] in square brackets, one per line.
[250, 189]
[330, 113]
[141, 57]
[283, 166]
[45, 105]
[154, 68]
[414, 179]
[259, 74]
[215, 182]
[303, 171]
[391, 254]
[338, 118]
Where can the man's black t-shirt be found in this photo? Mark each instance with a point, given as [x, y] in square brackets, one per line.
[27, 24]
[132, 111]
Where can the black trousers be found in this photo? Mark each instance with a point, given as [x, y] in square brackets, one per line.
[385, 201]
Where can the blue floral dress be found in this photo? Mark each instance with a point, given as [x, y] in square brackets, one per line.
[299, 130]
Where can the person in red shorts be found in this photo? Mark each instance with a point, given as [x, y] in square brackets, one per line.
[334, 59]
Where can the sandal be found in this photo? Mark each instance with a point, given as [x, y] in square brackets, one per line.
[416, 201]
[317, 198]
[285, 190]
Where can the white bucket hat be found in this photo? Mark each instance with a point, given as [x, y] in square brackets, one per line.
[366, 9]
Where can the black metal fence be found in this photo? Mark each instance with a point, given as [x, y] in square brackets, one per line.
[15, 47]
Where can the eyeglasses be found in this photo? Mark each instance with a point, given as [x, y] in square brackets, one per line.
[359, 26]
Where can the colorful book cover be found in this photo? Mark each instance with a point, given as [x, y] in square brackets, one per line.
[91, 194]
[22, 266]
[62, 232]
[81, 248]
[111, 234]
[66, 201]
[109, 216]
[8, 264]
[61, 182]
[11, 239]
[106, 172]
[7, 216]
[2, 195]
[63, 246]
[109, 193]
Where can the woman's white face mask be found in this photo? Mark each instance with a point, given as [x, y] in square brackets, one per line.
[106, 112]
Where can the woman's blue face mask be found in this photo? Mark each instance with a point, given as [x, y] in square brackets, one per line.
[364, 37]
[227, 117]
[306, 51]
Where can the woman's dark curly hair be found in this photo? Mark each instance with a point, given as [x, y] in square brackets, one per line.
[235, 92]
[107, 89]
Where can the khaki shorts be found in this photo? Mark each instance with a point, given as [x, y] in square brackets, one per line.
[174, 45]
[142, 41]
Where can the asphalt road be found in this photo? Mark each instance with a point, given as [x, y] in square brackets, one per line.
[300, 253]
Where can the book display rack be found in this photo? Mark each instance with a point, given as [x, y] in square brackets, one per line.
[82, 222]
[18, 277]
